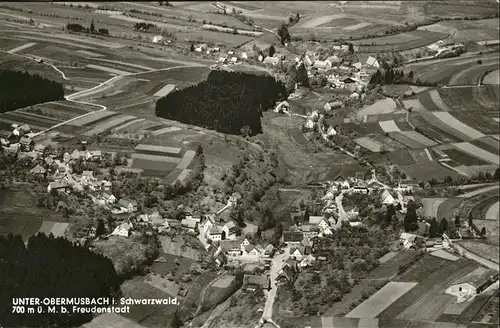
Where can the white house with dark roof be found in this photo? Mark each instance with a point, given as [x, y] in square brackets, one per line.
[206, 224]
[373, 62]
[122, 230]
[215, 234]
[386, 198]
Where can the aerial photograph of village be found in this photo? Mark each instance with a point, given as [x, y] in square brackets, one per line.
[249, 164]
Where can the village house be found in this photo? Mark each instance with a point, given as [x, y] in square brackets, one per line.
[58, 186]
[234, 199]
[309, 231]
[215, 234]
[106, 185]
[332, 105]
[190, 225]
[271, 61]
[230, 229]
[38, 170]
[286, 276]
[243, 56]
[269, 250]
[297, 253]
[373, 62]
[253, 250]
[23, 129]
[232, 248]
[26, 143]
[292, 238]
[122, 230]
[253, 282]
[12, 150]
[207, 224]
[40, 148]
[361, 187]
[386, 198]
[321, 66]
[31, 155]
[127, 205]
[318, 221]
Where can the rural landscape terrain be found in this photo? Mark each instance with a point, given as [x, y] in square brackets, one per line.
[251, 164]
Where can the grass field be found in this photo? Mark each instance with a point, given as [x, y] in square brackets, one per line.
[58, 229]
[159, 149]
[384, 106]
[463, 158]
[480, 121]
[370, 144]
[431, 205]
[471, 99]
[489, 144]
[486, 250]
[428, 170]
[418, 137]
[401, 157]
[389, 126]
[430, 131]
[399, 42]
[444, 127]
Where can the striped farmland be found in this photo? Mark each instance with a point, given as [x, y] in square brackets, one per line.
[104, 126]
[408, 142]
[477, 152]
[389, 126]
[156, 158]
[186, 160]
[126, 125]
[92, 118]
[419, 138]
[451, 121]
[159, 149]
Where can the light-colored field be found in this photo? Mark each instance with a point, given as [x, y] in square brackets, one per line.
[186, 160]
[436, 98]
[456, 308]
[166, 130]
[104, 126]
[91, 118]
[492, 213]
[492, 77]
[175, 248]
[165, 90]
[496, 119]
[156, 158]
[357, 26]
[160, 149]
[24, 46]
[473, 170]
[230, 30]
[445, 255]
[451, 121]
[162, 284]
[387, 257]
[108, 69]
[126, 125]
[369, 144]
[487, 251]
[112, 320]
[224, 281]
[419, 138]
[318, 20]
[389, 126]
[58, 229]
[381, 300]
[431, 205]
[478, 191]
[90, 53]
[477, 152]
[384, 106]
[413, 104]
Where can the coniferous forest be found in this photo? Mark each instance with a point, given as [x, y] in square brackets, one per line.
[21, 89]
[51, 267]
[227, 102]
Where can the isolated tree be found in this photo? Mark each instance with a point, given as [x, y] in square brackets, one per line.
[191, 48]
[92, 26]
[410, 75]
[302, 78]
[284, 34]
[434, 228]
[469, 219]
[443, 226]
[457, 221]
[483, 231]
[479, 62]
[410, 219]
[351, 48]
[100, 229]
[272, 51]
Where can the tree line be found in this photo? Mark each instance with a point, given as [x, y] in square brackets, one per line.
[21, 89]
[51, 267]
[82, 29]
[228, 102]
[391, 76]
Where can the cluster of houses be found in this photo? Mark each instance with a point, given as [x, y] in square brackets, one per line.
[19, 139]
[442, 49]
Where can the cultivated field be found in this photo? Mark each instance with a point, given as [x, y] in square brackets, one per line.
[58, 229]
[427, 171]
[477, 152]
[381, 300]
[384, 106]
[431, 205]
[107, 125]
[92, 118]
[403, 139]
[370, 144]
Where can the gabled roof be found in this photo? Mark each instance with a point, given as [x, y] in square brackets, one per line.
[292, 236]
[372, 61]
[215, 231]
[228, 245]
[250, 247]
[125, 202]
[189, 223]
[38, 170]
[230, 225]
[25, 140]
[315, 219]
[271, 60]
[386, 196]
[257, 280]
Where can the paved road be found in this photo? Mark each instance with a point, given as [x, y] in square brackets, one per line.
[276, 266]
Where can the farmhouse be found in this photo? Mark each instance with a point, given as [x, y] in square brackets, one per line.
[269, 250]
[207, 224]
[122, 230]
[472, 284]
[189, 225]
[286, 276]
[232, 248]
[12, 150]
[58, 186]
[229, 229]
[318, 221]
[39, 148]
[321, 65]
[332, 105]
[243, 56]
[297, 253]
[252, 250]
